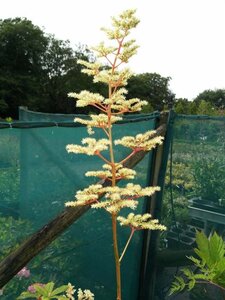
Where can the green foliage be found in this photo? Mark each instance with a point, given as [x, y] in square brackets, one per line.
[151, 87]
[46, 292]
[205, 108]
[209, 175]
[182, 176]
[215, 97]
[209, 102]
[22, 47]
[11, 233]
[37, 70]
[210, 264]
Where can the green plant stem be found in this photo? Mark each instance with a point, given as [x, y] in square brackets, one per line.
[127, 244]
[116, 256]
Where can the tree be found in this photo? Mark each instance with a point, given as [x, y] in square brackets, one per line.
[215, 97]
[151, 87]
[206, 108]
[183, 106]
[59, 59]
[22, 46]
[37, 70]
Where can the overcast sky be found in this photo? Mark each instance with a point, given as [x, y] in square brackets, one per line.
[183, 39]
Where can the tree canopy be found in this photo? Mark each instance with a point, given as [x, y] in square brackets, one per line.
[22, 47]
[151, 87]
[215, 97]
[38, 70]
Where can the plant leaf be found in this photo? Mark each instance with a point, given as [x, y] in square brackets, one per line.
[59, 290]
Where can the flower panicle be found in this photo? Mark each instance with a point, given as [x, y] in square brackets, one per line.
[70, 291]
[93, 147]
[102, 50]
[85, 295]
[121, 172]
[115, 197]
[86, 98]
[98, 121]
[87, 196]
[114, 206]
[138, 222]
[144, 142]
[91, 68]
[122, 25]
[115, 79]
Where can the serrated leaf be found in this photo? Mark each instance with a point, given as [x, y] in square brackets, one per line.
[178, 285]
[191, 284]
[175, 288]
[220, 267]
[180, 280]
[220, 280]
[188, 273]
[196, 261]
[216, 248]
[203, 246]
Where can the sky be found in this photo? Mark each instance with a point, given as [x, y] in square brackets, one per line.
[181, 39]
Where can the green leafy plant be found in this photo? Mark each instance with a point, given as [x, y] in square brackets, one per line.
[210, 265]
[46, 292]
[114, 198]
[209, 174]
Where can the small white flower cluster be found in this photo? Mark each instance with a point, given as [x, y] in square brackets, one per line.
[86, 98]
[87, 196]
[121, 172]
[102, 50]
[93, 146]
[85, 295]
[116, 79]
[141, 222]
[98, 121]
[115, 197]
[70, 291]
[119, 104]
[92, 68]
[81, 295]
[144, 141]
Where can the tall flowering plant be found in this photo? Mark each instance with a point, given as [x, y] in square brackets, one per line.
[113, 198]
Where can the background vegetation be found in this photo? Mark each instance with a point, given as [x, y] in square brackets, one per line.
[37, 70]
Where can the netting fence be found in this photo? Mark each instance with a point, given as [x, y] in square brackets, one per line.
[37, 176]
[194, 199]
